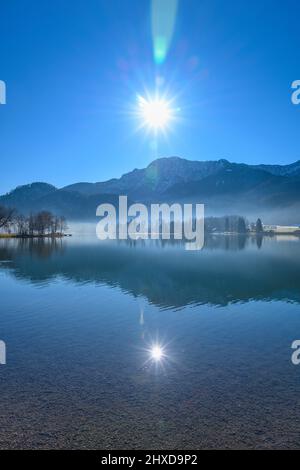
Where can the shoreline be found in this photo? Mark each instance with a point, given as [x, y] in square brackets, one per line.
[49, 235]
[256, 234]
[224, 234]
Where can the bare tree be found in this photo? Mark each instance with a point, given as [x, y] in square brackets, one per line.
[62, 226]
[6, 217]
[55, 224]
[43, 222]
[21, 224]
[59, 224]
[31, 224]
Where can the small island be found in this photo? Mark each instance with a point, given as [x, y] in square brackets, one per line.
[42, 224]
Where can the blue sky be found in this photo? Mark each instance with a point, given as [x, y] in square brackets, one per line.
[73, 71]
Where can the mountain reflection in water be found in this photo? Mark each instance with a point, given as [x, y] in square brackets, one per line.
[229, 269]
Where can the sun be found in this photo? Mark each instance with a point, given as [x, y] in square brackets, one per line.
[157, 352]
[156, 113]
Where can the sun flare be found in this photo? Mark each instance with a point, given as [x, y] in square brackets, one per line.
[156, 113]
[157, 353]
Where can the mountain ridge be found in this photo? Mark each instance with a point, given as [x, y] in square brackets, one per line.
[220, 184]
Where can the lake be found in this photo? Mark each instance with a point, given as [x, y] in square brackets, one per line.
[80, 318]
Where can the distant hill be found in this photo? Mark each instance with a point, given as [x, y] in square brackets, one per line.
[41, 196]
[24, 196]
[225, 187]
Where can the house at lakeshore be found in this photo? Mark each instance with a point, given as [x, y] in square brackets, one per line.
[294, 229]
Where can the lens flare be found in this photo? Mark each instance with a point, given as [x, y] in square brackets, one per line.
[157, 353]
[163, 24]
[156, 113]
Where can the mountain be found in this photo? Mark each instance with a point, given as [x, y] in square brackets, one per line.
[165, 176]
[292, 170]
[225, 187]
[240, 184]
[72, 205]
[154, 180]
[24, 197]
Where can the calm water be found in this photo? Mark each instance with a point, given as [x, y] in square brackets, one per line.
[79, 316]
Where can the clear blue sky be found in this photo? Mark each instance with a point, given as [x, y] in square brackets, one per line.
[73, 70]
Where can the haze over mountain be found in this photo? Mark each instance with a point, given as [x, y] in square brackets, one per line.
[223, 186]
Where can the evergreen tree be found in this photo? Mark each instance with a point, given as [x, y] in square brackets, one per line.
[241, 227]
[259, 226]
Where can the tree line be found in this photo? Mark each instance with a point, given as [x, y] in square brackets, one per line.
[40, 224]
[232, 224]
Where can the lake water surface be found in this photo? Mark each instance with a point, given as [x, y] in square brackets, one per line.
[79, 318]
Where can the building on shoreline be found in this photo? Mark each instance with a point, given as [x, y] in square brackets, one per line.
[293, 229]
